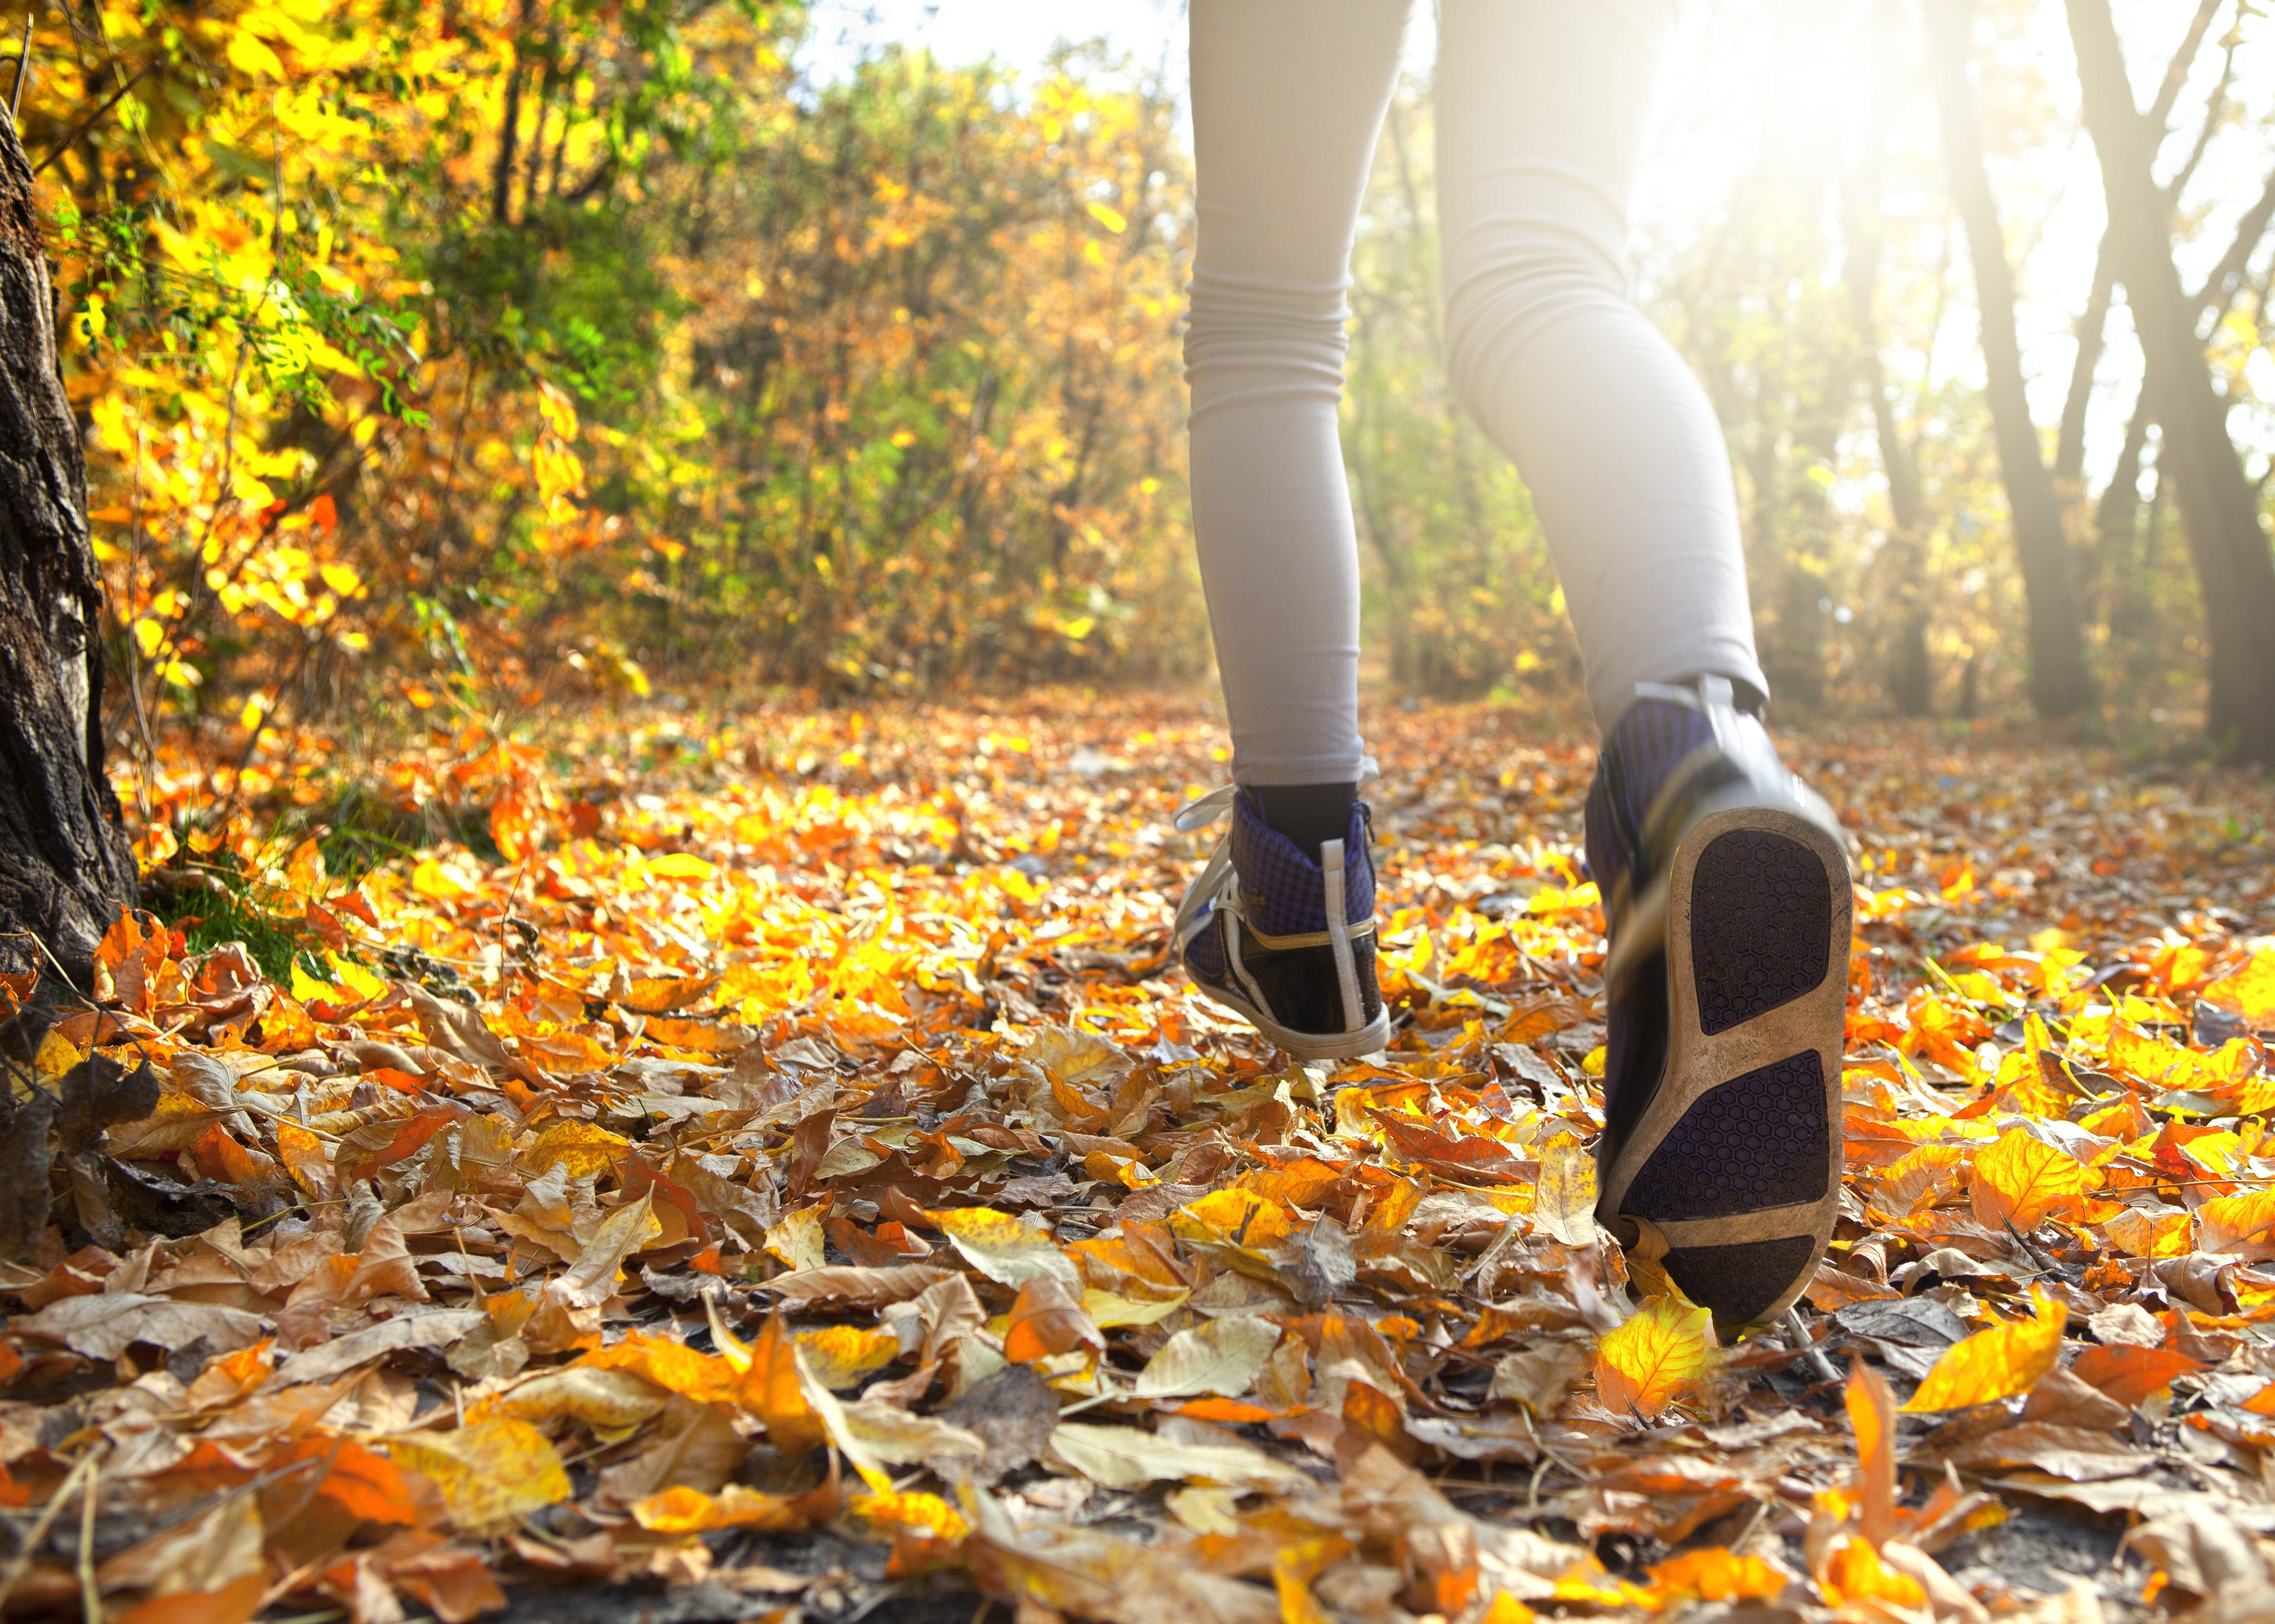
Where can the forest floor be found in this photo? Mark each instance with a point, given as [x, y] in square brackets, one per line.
[775, 1169]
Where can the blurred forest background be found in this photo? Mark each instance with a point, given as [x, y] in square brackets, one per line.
[450, 357]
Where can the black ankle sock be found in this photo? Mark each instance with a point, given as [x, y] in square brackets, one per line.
[1308, 814]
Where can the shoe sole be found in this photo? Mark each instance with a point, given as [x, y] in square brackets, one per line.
[1303, 1046]
[1735, 1169]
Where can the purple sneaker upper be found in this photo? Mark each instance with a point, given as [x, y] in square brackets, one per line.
[1283, 890]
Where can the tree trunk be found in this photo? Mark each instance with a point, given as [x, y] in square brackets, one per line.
[1910, 673]
[64, 864]
[2059, 684]
[2219, 510]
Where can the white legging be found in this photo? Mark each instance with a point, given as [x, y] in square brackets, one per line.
[1540, 111]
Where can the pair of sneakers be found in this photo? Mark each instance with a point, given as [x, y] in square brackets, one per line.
[1726, 885]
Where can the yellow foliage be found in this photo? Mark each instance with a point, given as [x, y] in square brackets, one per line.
[1996, 1362]
[1665, 1346]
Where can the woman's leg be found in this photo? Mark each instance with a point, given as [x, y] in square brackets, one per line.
[1288, 98]
[1724, 882]
[1541, 111]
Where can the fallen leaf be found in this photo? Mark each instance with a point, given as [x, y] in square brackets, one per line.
[1046, 1321]
[1222, 1357]
[1650, 1359]
[855, 1287]
[682, 1510]
[1007, 1250]
[104, 1326]
[1124, 1457]
[1997, 1363]
[1564, 1197]
[2020, 1180]
[838, 1357]
[488, 1471]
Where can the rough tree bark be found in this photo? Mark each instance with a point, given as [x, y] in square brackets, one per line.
[2059, 683]
[64, 864]
[2219, 510]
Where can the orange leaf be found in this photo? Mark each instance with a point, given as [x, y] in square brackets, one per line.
[1045, 1320]
[1872, 1414]
[1716, 1574]
[1664, 1348]
[771, 1391]
[1997, 1363]
[683, 1510]
[2130, 1374]
[1854, 1573]
[233, 1603]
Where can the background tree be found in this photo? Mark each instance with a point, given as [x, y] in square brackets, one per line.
[2219, 506]
[2059, 681]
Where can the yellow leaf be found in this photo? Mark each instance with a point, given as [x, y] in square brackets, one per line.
[680, 865]
[1662, 1350]
[1241, 1216]
[248, 55]
[1007, 1250]
[683, 1510]
[583, 1148]
[607, 1401]
[2242, 1224]
[838, 1357]
[707, 1378]
[797, 1239]
[489, 1472]
[2021, 1179]
[1564, 1194]
[1113, 219]
[1997, 1363]
[1107, 1309]
[56, 1056]
[2250, 990]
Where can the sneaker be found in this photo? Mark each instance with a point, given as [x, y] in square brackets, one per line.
[1725, 884]
[1286, 942]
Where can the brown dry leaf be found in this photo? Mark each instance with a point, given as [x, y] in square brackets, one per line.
[855, 1287]
[1118, 1457]
[1222, 1357]
[103, 1326]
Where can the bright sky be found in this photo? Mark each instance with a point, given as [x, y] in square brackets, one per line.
[1712, 104]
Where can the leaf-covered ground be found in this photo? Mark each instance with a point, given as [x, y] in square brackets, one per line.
[773, 1169]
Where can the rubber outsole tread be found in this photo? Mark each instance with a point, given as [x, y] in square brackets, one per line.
[1759, 1140]
[1741, 1281]
[1761, 924]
